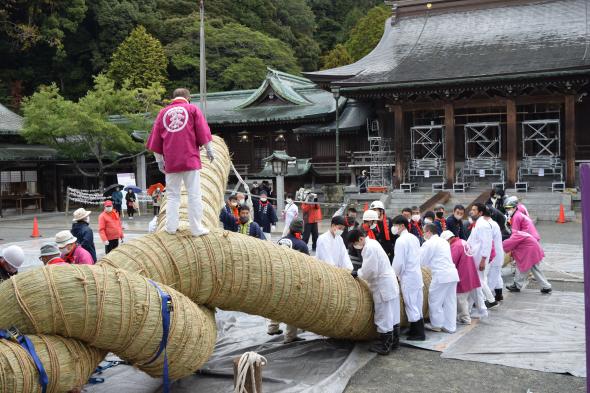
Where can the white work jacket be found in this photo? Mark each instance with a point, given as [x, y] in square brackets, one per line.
[435, 254]
[331, 249]
[406, 261]
[378, 273]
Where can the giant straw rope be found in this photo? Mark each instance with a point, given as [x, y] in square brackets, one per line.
[75, 314]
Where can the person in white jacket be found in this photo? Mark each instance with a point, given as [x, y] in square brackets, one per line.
[480, 245]
[380, 277]
[331, 248]
[435, 254]
[290, 212]
[406, 263]
[495, 281]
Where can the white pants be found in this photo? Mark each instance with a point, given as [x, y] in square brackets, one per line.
[442, 305]
[495, 280]
[413, 299]
[476, 298]
[387, 315]
[520, 278]
[483, 278]
[464, 306]
[192, 182]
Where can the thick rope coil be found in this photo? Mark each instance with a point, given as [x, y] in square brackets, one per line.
[247, 366]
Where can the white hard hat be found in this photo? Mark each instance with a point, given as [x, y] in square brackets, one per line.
[511, 201]
[377, 205]
[446, 235]
[64, 238]
[14, 255]
[370, 215]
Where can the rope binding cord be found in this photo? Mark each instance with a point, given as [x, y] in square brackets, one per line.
[246, 367]
[13, 334]
[166, 310]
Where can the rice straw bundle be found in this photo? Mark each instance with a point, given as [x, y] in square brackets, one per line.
[68, 364]
[110, 309]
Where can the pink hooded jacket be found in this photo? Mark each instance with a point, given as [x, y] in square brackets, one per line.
[179, 131]
[468, 277]
[521, 222]
[525, 249]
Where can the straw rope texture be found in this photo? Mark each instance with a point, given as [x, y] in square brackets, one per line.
[75, 314]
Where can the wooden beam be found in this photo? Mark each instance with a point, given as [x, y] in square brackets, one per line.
[511, 143]
[570, 140]
[450, 143]
[398, 142]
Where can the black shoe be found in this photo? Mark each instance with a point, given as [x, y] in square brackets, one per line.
[546, 290]
[382, 345]
[417, 333]
[492, 304]
[275, 333]
[513, 288]
[395, 338]
[499, 296]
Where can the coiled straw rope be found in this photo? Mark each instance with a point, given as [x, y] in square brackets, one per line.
[80, 312]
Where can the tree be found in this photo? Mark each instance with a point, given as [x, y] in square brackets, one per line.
[140, 60]
[82, 130]
[337, 57]
[367, 33]
[242, 73]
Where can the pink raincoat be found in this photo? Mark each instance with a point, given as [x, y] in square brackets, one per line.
[179, 131]
[522, 208]
[522, 222]
[79, 256]
[525, 249]
[468, 277]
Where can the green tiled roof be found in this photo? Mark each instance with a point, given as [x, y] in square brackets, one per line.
[298, 167]
[10, 122]
[297, 99]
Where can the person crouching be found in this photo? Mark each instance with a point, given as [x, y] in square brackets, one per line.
[382, 281]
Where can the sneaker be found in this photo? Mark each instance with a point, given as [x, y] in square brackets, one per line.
[464, 322]
[429, 326]
[201, 232]
[513, 288]
[492, 304]
[447, 331]
[274, 332]
[546, 290]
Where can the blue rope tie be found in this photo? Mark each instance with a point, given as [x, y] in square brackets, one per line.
[14, 335]
[166, 309]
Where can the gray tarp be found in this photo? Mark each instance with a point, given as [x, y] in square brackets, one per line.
[315, 365]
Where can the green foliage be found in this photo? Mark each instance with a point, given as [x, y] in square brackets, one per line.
[82, 130]
[337, 57]
[140, 60]
[367, 33]
[240, 75]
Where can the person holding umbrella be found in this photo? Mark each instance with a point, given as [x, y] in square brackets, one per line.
[156, 191]
[117, 198]
[130, 198]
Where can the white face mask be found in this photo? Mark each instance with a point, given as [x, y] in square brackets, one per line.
[510, 212]
[416, 217]
[357, 246]
[289, 201]
[395, 230]
[108, 209]
[240, 201]
[373, 226]
[338, 232]
[427, 221]
[262, 199]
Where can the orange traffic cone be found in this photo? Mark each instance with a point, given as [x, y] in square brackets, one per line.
[366, 206]
[35, 228]
[561, 218]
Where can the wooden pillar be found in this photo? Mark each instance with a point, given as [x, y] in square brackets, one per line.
[511, 143]
[398, 142]
[570, 140]
[450, 143]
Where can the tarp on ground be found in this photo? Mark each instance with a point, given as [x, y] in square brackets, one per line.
[315, 365]
[532, 331]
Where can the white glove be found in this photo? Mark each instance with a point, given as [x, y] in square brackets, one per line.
[106, 242]
[272, 228]
[210, 153]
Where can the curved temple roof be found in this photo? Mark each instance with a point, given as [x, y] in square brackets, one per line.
[537, 37]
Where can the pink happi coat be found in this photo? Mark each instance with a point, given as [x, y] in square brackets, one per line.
[522, 222]
[468, 277]
[525, 249]
[522, 208]
[179, 131]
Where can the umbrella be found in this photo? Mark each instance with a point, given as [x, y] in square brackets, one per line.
[135, 189]
[153, 188]
[110, 189]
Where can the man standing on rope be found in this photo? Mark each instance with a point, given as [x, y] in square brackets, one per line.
[406, 264]
[178, 133]
[378, 273]
[264, 214]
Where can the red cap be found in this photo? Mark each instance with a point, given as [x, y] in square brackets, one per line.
[108, 203]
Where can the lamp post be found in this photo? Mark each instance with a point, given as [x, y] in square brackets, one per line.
[279, 161]
[336, 93]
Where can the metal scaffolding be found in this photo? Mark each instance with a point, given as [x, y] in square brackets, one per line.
[427, 151]
[483, 150]
[541, 149]
[381, 155]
